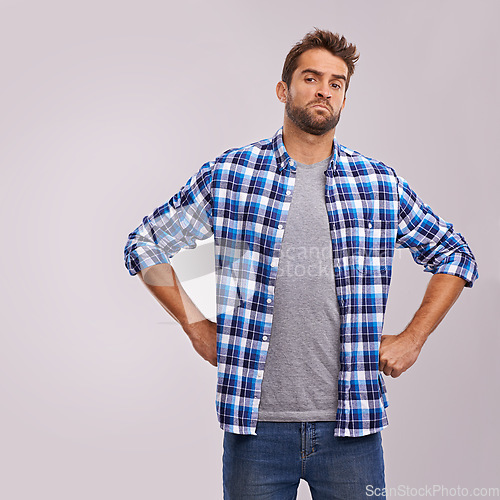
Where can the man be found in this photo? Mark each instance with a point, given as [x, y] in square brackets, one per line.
[305, 231]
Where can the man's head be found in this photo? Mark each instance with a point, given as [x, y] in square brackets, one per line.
[315, 78]
[321, 39]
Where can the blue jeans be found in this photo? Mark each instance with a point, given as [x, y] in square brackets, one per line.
[269, 466]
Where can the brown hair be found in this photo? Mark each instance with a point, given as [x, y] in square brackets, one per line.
[332, 42]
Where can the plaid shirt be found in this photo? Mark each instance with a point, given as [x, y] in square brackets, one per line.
[242, 198]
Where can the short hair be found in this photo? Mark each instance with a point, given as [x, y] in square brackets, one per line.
[333, 42]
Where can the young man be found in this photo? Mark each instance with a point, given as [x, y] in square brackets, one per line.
[305, 231]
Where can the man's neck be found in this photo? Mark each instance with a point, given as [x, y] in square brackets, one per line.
[306, 148]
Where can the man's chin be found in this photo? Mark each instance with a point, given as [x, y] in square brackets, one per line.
[318, 128]
[316, 131]
[313, 123]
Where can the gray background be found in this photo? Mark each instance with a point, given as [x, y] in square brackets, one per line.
[106, 109]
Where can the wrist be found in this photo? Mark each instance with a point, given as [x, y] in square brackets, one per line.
[193, 327]
[416, 337]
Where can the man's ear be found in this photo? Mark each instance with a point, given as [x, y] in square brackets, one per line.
[281, 91]
[343, 104]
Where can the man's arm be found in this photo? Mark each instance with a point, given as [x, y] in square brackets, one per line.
[177, 224]
[163, 283]
[398, 352]
[173, 226]
[436, 245]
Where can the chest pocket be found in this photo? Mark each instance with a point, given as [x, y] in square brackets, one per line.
[372, 249]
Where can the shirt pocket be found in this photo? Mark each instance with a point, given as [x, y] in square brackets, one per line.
[371, 256]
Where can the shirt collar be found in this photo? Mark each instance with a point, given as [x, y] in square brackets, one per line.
[283, 159]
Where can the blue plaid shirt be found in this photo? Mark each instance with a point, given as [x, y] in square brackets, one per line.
[242, 198]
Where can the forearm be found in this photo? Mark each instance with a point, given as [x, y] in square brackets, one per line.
[398, 352]
[442, 292]
[163, 282]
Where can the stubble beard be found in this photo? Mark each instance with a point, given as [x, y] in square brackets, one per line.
[315, 125]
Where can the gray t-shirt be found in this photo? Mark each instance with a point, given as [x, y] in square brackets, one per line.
[302, 365]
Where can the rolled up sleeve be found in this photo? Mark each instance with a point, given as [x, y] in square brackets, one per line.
[177, 224]
[432, 241]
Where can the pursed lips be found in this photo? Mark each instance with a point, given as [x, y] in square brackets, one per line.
[320, 105]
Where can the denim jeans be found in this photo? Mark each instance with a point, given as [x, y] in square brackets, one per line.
[269, 466]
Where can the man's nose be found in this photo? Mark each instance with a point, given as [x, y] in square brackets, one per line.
[324, 92]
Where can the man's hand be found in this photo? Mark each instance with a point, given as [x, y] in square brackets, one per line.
[203, 336]
[397, 353]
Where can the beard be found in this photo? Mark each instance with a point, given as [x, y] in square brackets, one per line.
[309, 121]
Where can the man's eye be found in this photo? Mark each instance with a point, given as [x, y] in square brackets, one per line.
[336, 85]
[309, 78]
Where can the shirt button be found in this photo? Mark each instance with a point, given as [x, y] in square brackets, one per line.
[288, 191]
[269, 301]
[280, 226]
[259, 375]
[370, 224]
[264, 337]
[292, 163]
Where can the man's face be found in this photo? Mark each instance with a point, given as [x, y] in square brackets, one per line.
[316, 95]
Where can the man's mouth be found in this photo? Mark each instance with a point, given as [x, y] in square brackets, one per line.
[319, 105]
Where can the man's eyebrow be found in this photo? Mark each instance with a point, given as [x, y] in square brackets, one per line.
[320, 73]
